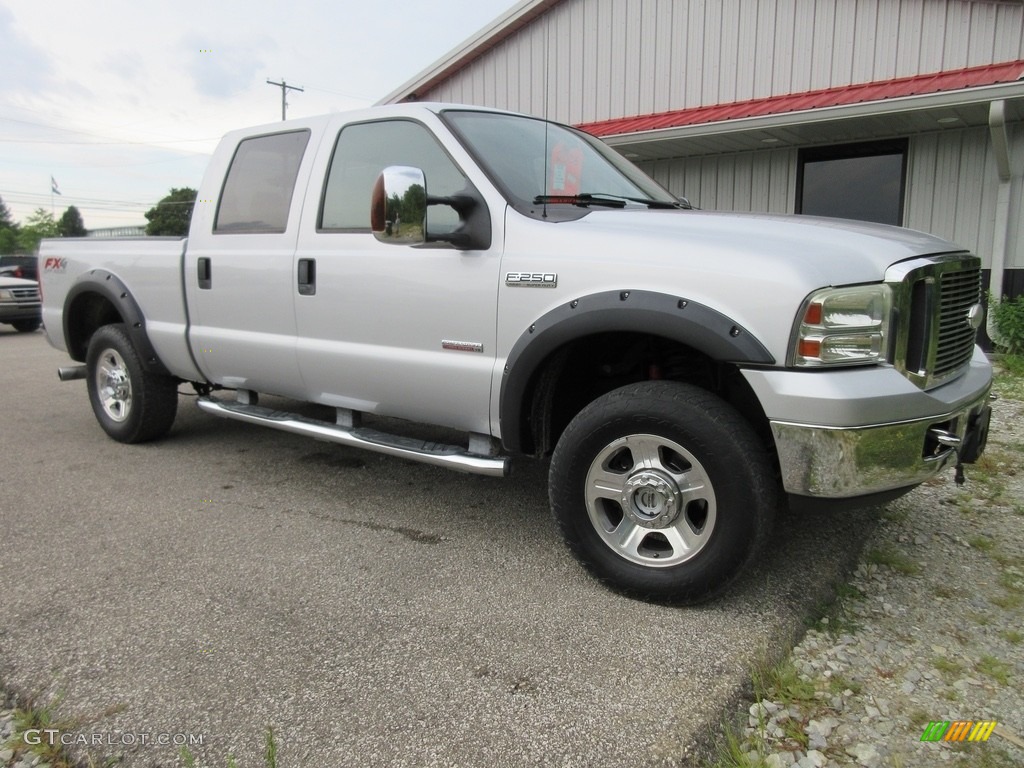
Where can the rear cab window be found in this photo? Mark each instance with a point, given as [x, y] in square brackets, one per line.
[260, 182]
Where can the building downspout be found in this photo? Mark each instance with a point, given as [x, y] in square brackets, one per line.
[1001, 150]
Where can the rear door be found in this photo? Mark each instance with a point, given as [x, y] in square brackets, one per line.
[239, 276]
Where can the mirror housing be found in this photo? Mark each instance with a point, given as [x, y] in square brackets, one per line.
[398, 212]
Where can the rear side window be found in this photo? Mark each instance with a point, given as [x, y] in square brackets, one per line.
[258, 190]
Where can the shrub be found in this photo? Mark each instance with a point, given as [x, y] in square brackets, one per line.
[1009, 321]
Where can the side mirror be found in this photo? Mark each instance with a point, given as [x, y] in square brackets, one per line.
[398, 212]
[398, 206]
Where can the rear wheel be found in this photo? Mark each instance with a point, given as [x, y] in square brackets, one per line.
[130, 403]
[663, 491]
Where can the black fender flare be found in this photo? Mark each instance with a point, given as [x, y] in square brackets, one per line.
[705, 329]
[112, 288]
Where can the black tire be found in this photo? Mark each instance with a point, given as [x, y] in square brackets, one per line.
[27, 326]
[131, 404]
[663, 491]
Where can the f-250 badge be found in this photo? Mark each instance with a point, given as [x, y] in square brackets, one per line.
[532, 279]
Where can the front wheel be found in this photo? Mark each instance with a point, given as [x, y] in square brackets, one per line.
[26, 326]
[130, 403]
[663, 491]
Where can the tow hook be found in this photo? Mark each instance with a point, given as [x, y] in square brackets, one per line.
[949, 440]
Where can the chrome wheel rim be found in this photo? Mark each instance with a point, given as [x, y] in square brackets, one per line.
[113, 385]
[650, 500]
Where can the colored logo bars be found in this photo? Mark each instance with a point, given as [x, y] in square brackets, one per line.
[958, 730]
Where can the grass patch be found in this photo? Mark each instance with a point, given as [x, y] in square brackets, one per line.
[37, 719]
[837, 684]
[982, 543]
[1011, 601]
[1009, 376]
[188, 760]
[992, 667]
[895, 560]
[834, 617]
[1011, 582]
[733, 752]
[1012, 636]
[981, 619]
[782, 682]
[950, 669]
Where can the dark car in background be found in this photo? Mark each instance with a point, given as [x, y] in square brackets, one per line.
[25, 267]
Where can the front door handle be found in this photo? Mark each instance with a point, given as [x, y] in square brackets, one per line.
[307, 277]
[204, 273]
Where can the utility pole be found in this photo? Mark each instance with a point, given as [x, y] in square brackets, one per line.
[284, 90]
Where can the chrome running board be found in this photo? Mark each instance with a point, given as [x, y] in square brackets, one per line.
[438, 454]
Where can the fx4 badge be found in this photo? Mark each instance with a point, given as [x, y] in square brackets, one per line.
[53, 264]
[532, 279]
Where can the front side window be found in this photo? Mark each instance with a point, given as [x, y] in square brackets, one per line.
[853, 181]
[258, 190]
[363, 150]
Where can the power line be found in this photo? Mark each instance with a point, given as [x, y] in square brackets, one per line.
[104, 140]
[284, 91]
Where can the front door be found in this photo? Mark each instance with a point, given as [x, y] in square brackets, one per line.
[400, 330]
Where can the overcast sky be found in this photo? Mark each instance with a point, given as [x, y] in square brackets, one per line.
[122, 100]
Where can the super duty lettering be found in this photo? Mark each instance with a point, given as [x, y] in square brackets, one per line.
[685, 371]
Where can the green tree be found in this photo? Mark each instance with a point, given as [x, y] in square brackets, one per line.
[8, 230]
[39, 225]
[171, 216]
[71, 224]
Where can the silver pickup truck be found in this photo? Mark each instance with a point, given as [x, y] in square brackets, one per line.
[518, 282]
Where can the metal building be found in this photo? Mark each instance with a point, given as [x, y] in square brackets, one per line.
[908, 112]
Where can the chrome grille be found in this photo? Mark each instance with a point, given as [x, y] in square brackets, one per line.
[958, 292]
[937, 304]
[25, 294]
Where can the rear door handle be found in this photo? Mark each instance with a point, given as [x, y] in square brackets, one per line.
[204, 273]
[307, 277]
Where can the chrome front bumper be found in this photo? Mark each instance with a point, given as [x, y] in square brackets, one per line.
[845, 462]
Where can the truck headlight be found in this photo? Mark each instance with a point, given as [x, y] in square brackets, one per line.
[843, 326]
[6, 295]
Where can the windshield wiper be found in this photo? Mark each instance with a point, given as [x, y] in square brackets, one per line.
[600, 198]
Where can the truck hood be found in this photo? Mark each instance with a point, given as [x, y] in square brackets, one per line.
[814, 251]
[756, 269]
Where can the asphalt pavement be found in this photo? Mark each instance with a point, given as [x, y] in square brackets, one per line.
[373, 611]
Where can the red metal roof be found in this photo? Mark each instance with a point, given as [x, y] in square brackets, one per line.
[953, 80]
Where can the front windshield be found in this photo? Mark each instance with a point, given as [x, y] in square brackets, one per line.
[538, 165]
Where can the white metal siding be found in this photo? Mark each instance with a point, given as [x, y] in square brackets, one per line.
[599, 59]
[749, 181]
[952, 188]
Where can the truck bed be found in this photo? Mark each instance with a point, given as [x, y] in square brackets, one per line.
[148, 264]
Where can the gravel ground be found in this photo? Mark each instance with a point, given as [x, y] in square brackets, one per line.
[930, 629]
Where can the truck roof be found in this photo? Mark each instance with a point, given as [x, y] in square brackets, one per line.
[406, 109]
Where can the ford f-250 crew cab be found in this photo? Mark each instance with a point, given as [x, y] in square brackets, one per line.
[521, 283]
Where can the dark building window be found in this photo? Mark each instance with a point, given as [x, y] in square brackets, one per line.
[853, 181]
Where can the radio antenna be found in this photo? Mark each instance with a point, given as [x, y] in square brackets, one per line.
[547, 74]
